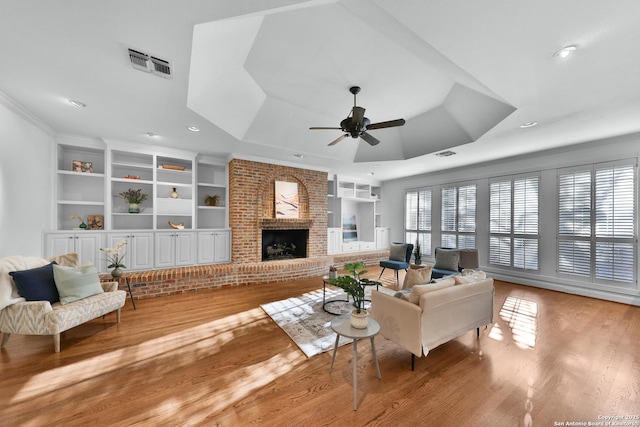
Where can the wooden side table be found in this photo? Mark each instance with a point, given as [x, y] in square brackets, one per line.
[342, 326]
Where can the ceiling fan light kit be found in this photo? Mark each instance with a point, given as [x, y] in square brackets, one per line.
[356, 124]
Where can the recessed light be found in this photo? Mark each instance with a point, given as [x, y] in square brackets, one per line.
[77, 104]
[528, 125]
[151, 135]
[194, 128]
[376, 166]
[566, 51]
[371, 173]
[300, 156]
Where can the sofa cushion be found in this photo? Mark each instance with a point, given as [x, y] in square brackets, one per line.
[471, 278]
[36, 284]
[417, 276]
[76, 283]
[68, 260]
[398, 252]
[418, 290]
[447, 260]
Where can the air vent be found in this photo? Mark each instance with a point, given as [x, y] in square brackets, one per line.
[445, 153]
[151, 64]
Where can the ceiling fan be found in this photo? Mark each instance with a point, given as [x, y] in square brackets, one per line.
[356, 124]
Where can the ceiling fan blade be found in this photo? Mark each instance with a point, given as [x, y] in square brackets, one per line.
[358, 115]
[389, 124]
[317, 127]
[371, 140]
[337, 140]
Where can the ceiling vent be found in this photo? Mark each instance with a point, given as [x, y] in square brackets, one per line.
[150, 64]
[445, 153]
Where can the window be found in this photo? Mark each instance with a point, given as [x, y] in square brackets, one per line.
[514, 222]
[596, 218]
[458, 224]
[418, 219]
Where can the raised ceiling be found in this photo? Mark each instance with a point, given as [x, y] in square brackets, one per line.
[254, 76]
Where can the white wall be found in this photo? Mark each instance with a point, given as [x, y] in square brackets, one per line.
[25, 182]
[623, 147]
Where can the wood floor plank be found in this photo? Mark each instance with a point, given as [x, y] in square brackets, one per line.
[215, 358]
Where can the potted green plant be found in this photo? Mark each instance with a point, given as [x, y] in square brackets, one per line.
[134, 198]
[417, 253]
[211, 200]
[354, 284]
[115, 258]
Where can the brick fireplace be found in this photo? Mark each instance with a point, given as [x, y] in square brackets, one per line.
[251, 210]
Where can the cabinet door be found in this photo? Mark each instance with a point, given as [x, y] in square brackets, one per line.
[382, 238]
[221, 247]
[112, 240]
[334, 240]
[141, 251]
[59, 244]
[185, 247]
[87, 245]
[206, 247]
[164, 249]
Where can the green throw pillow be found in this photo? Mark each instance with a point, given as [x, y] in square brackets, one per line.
[76, 283]
[447, 260]
[398, 252]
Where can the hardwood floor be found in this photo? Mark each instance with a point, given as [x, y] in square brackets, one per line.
[215, 358]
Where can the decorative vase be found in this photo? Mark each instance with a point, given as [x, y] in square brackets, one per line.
[134, 208]
[174, 193]
[333, 275]
[418, 261]
[116, 273]
[360, 320]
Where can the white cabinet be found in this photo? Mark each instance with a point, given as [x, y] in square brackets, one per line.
[85, 243]
[334, 240]
[138, 254]
[79, 184]
[382, 237]
[353, 208]
[175, 249]
[211, 193]
[213, 246]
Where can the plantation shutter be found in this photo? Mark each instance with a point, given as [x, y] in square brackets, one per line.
[614, 223]
[574, 222]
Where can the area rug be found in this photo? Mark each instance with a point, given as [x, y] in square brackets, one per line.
[307, 324]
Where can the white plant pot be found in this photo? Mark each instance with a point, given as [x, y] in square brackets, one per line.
[360, 320]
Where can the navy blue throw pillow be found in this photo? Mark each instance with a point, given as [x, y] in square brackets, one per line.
[36, 284]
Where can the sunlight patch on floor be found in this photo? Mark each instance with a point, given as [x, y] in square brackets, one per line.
[201, 341]
[522, 317]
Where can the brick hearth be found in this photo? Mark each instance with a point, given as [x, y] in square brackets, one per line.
[252, 208]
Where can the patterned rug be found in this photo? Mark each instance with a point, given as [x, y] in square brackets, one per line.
[307, 324]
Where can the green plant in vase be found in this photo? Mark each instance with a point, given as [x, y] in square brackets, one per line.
[417, 253]
[134, 198]
[211, 200]
[354, 285]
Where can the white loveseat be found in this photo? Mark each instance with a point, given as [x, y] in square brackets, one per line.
[18, 316]
[444, 311]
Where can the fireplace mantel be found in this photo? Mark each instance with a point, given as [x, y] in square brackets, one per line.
[285, 224]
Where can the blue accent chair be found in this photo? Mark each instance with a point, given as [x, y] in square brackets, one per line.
[447, 264]
[399, 259]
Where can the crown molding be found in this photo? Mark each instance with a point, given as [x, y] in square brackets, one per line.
[26, 115]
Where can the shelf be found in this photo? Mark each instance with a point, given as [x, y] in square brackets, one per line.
[79, 202]
[81, 174]
[204, 184]
[131, 165]
[139, 181]
[212, 207]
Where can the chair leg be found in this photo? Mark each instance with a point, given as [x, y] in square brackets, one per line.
[397, 280]
[56, 343]
[383, 269]
[413, 361]
[478, 332]
[5, 338]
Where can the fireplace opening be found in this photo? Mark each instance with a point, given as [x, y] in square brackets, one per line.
[284, 244]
